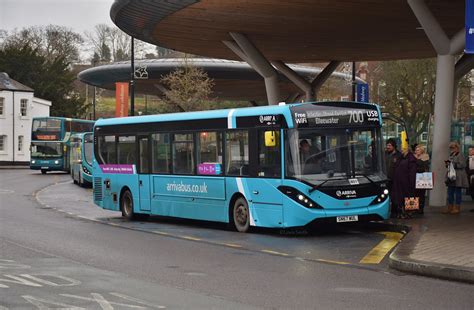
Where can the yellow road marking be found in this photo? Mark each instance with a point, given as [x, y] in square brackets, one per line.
[232, 245]
[161, 233]
[376, 255]
[274, 252]
[332, 261]
[190, 238]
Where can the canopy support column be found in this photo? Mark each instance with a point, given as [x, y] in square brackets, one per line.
[250, 54]
[446, 48]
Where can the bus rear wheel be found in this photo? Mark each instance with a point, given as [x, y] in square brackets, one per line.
[126, 205]
[241, 215]
[43, 171]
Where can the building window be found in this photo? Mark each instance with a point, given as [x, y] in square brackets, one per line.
[23, 106]
[3, 142]
[2, 106]
[20, 143]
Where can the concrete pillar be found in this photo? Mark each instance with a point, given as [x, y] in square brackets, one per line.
[443, 110]
[446, 48]
[323, 76]
[303, 84]
[249, 53]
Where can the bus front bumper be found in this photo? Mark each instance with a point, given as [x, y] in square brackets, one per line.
[46, 164]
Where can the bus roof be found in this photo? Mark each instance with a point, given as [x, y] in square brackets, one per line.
[63, 118]
[215, 114]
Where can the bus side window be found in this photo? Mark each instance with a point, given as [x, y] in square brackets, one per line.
[126, 150]
[183, 154]
[161, 153]
[269, 154]
[237, 153]
[210, 153]
[107, 153]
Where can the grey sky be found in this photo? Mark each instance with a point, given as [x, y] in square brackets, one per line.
[80, 15]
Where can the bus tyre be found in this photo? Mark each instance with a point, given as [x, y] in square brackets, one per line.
[241, 215]
[126, 205]
[43, 171]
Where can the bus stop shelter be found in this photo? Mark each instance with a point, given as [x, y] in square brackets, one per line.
[233, 80]
[269, 34]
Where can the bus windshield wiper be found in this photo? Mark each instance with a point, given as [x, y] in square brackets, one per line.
[315, 187]
[367, 177]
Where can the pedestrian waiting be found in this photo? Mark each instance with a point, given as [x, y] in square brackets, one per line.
[422, 165]
[456, 178]
[403, 184]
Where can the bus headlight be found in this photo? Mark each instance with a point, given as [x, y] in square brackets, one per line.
[380, 198]
[33, 162]
[56, 162]
[299, 197]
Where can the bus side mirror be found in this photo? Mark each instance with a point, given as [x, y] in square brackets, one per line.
[270, 138]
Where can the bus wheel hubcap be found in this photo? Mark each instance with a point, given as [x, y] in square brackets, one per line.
[241, 215]
[127, 205]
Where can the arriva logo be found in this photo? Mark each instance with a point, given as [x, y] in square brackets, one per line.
[345, 193]
[471, 30]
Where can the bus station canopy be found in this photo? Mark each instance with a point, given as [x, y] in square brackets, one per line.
[289, 31]
[233, 80]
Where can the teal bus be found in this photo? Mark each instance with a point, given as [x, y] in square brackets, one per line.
[50, 142]
[81, 149]
[281, 166]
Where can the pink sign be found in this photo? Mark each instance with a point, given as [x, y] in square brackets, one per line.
[118, 168]
[210, 169]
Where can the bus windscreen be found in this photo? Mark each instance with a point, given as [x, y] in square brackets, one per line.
[46, 149]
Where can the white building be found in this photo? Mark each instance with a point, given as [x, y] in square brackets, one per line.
[18, 106]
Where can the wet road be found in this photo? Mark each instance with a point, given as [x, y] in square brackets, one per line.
[181, 264]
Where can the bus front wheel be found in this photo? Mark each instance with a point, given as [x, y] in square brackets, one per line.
[126, 205]
[241, 215]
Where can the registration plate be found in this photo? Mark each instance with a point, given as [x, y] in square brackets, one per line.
[349, 218]
[44, 167]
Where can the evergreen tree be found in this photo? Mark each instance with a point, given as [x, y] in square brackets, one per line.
[50, 77]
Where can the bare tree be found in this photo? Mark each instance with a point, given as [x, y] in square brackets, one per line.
[408, 92]
[52, 41]
[188, 87]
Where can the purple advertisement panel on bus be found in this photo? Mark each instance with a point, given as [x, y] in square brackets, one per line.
[118, 168]
[209, 168]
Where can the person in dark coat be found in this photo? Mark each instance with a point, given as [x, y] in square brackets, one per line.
[404, 177]
[392, 155]
[470, 173]
[455, 187]
[422, 165]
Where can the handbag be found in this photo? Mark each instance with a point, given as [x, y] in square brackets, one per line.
[412, 203]
[424, 180]
[451, 172]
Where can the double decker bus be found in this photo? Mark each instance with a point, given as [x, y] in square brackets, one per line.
[50, 141]
[275, 166]
[81, 148]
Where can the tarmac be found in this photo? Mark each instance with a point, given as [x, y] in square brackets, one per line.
[435, 245]
[438, 245]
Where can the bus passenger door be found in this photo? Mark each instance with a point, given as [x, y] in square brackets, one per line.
[144, 172]
[265, 172]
